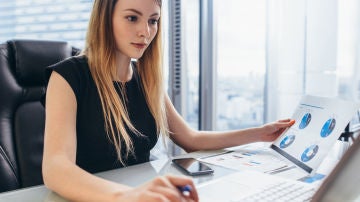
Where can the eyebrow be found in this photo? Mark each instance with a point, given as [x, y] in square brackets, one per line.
[139, 13]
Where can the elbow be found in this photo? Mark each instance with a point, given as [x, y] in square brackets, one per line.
[49, 175]
[187, 146]
[189, 150]
[46, 176]
[191, 142]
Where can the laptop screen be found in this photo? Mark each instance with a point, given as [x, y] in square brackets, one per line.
[319, 123]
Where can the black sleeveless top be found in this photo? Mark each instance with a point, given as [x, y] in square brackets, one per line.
[95, 152]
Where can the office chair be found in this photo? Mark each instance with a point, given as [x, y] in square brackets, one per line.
[22, 116]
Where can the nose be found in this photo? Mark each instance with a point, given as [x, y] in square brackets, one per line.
[144, 30]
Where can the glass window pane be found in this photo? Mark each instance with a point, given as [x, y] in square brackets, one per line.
[191, 61]
[348, 47]
[64, 20]
[240, 54]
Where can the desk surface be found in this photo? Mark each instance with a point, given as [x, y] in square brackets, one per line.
[138, 175]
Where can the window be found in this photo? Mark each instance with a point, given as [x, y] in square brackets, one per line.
[191, 62]
[64, 20]
[240, 54]
[313, 48]
[271, 52]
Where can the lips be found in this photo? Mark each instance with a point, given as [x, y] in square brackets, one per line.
[139, 45]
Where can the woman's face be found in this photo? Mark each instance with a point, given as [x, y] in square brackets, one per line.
[135, 24]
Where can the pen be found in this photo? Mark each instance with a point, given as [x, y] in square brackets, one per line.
[218, 154]
[185, 189]
[281, 170]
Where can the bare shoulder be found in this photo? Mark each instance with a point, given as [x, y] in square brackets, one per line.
[59, 91]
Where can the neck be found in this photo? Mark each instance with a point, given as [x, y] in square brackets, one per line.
[124, 67]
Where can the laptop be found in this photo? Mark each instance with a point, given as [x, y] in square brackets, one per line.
[342, 184]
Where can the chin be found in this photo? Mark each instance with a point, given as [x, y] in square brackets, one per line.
[132, 53]
[137, 56]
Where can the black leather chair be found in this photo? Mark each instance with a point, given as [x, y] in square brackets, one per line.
[22, 116]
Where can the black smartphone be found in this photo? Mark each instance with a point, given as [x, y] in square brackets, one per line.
[192, 166]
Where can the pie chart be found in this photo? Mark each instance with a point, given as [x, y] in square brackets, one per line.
[328, 127]
[288, 140]
[305, 121]
[309, 153]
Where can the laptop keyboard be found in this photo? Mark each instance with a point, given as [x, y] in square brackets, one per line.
[282, 192]
[255, 186]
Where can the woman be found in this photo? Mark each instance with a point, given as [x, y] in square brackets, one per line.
[104, 111]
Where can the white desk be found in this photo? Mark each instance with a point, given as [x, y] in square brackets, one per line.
[132, 176]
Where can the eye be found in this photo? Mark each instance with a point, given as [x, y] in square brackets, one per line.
[131, 18]
[153, 21]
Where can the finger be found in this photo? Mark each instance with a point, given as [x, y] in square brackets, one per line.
[170, 192]
[290, 121]
[185, 181]
[154, 197]
[283, 124]
[284, 120]
[165, 186]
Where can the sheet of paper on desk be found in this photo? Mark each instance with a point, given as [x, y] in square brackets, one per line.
[254, 158]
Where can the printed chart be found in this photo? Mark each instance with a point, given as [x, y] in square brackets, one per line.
[251, 157]
[319, 123]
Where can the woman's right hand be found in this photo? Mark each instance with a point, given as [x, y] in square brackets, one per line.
[161, 189]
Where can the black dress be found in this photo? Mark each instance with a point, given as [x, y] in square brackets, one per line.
[95, 152]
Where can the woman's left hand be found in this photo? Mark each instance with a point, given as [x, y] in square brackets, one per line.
[269, 132]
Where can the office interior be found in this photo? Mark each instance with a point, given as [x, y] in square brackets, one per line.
[229, 64]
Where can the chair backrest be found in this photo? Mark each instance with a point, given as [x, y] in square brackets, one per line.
[22, 116]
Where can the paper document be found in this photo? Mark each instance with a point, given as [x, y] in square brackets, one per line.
[249, 157]
[319, 123]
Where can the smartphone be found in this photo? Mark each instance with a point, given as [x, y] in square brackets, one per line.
[192, 166]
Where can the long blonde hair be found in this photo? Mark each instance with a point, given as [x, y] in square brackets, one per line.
[100, 49]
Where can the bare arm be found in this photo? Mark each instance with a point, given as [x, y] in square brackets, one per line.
[192, 140]
[62, 175]
[60, 172]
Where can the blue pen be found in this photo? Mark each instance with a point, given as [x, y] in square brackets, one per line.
[184, 189]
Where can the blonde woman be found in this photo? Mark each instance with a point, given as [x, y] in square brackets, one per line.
[105, 112]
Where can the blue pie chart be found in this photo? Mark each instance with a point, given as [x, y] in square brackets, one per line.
[288, 140]
[328, 128]
[309, 153]
[305, 121]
